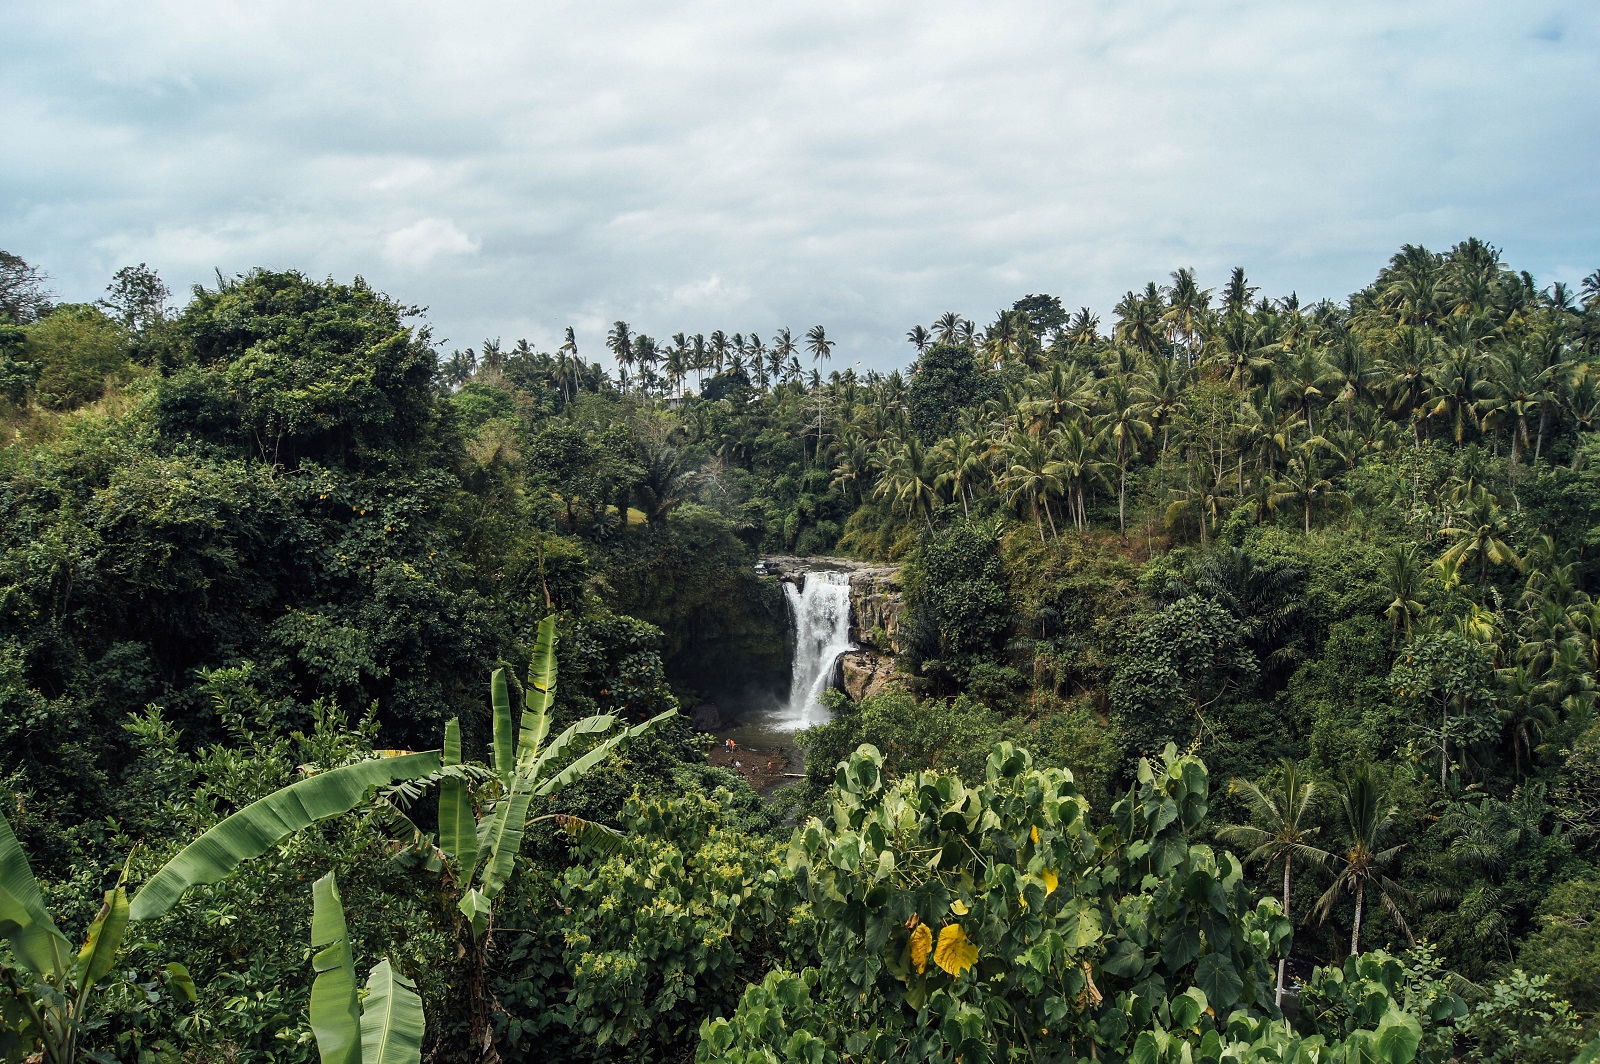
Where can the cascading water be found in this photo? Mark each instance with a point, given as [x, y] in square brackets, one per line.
[820, 606]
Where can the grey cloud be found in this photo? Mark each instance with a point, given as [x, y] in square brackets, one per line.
[709, 165]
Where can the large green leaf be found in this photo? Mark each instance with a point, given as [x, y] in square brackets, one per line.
[504, 738]
[1589, 1054]
[540, 696]
[24, 921]
[1399, 1034]
[259, 826]
[506, 829]
[99, 950]
[594, 725]
[335, 1014]
[583, 764]
[1216, 975]
[452, 742]
[392, 1024]
[458, 830]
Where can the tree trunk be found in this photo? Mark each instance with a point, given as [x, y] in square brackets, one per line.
[1122, 494]
[1355, 932]
[1283, 961]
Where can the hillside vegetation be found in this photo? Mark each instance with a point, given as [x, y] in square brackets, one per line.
[1244, 704]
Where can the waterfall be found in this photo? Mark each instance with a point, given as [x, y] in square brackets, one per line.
[820, 606]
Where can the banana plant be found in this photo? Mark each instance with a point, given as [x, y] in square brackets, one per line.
[51, 984]
[262, 824]
[480, 851]
[384, 1028]
[476, 851]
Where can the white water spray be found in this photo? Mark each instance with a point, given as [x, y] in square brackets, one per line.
[820, 606]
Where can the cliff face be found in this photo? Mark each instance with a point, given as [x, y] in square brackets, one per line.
[877, 604]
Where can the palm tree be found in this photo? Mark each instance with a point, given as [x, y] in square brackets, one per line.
[620, 341]
[1031, 474]
[1187, 304]
[1139, 323]
[1127, 430]
[818, 345]
[1079, 466]
[948, 327]
[1480, 533]
[783, 349]
[1402, 581]
[568, 368]
[1523, 712]
[920, 338]
[1457, 392]
[910, 480]
[1303, 484]
[1366, 822]
[1282, 831]
[961, 460]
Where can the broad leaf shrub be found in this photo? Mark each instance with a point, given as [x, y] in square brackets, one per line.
[653, 931]
[997, 922]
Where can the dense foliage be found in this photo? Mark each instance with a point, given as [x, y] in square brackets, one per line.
[1293, 608]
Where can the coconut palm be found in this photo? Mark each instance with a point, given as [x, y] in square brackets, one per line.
[620, 341]
[920, 338]
[1031, 474]
[1366, 822]
[1480, 533]
[909, 480]
[961, 462]
[1079, 466]
[948, 328]
[1282, 831]
[1304, 485]
[1125, 429]
[1403, 577]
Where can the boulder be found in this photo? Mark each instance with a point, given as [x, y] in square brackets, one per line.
[707, 717]
[863, 673]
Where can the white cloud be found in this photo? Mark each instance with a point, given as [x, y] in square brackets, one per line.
[708, 164]
[419, 243]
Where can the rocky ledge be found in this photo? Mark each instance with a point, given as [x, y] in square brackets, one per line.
[877, 599]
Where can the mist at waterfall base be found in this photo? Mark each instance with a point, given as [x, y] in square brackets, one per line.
[819, 613]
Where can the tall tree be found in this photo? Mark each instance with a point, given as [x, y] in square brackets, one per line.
[1282, 830]
[1366, 823]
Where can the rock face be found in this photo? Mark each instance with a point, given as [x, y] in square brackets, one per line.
[707, 717]
[863, 674]
[877, 604]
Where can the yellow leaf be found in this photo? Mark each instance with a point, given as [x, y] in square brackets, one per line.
[1033, 833]
[1050, 881]
[959, 907]
[921, 946]
[955, 952]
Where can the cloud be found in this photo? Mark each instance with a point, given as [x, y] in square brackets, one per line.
[419, 243]
[707, 164]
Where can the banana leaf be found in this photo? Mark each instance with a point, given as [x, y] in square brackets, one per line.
[24, 921]
[335, 1014]
[504, 737]
[587, 761]
[458, 830]
[392, 1024]
[506, 829]
[261, 825]
[99, 950]
[540, 696]
[600, 722]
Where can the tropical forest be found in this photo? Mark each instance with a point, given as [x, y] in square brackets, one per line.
[1211, 677]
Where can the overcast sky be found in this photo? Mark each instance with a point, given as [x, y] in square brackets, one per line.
[519, 167]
